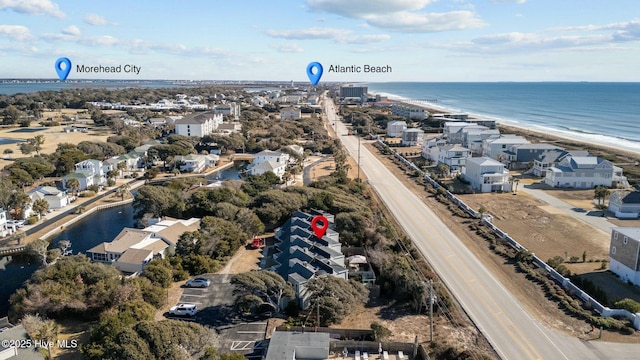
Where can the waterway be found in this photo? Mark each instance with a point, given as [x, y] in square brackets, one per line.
[94, 229]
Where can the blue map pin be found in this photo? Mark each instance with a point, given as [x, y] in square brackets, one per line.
[63, 73]
[314, 78]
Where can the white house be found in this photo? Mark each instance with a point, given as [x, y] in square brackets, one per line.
[88, 172]
[431, 148]
[231, 110]
[486, 174]
[56, 198]
[452, 131]
[273, 156]
[5, 229]
[454, 156]
[290, 113]
[412, 137]
[624, 253]
[625, 204]
[198, 124]
[583, 172]
[396, 128]
[409, 111]
[521, 155]
[496, 148]
[196, 163]
[277, 168]
[132, 249]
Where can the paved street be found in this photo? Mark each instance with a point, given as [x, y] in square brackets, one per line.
[509, 328]
[215, 310]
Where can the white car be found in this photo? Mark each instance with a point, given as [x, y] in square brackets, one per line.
[17, 223]
[183, 310]
[198, 282]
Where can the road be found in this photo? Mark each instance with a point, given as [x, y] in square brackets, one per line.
[512, 332]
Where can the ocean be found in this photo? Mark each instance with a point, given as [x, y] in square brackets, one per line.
[601, 113]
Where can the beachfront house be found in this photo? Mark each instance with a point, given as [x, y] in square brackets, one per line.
[583, 172]
[452, 131]
[88, 172]
[520, 156]
[625, 204]
[396, 128]
[454, 156]
[55, 198]
[496, 148]
[552, 158]
[486, 174]
[412, 137]
[198, 124]
[290, 113]
[624, 253]
[299, 255]
[474, 135]
[409, 111]
[195, 163]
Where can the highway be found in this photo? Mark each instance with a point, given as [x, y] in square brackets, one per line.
[512, 332]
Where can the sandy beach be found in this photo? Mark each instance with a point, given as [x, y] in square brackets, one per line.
[577, 140]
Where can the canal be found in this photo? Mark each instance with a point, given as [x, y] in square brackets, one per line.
[94, 229]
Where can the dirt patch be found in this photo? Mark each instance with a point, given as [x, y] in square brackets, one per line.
[540, 228]
[75, 333]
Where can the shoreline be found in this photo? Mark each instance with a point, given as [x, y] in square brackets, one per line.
[611, 143]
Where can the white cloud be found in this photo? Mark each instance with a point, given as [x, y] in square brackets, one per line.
[400, 15]
[15, 32]
[365, 8]
[33, 7]
[71, 30]
[307, 34]
[428, 22]
[364, 39]
[97, 20]
[102, 40]
[342, 36]
[288, 48]
[510, 1]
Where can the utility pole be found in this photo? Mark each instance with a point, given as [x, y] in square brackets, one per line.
[431, 300]
[358, 157]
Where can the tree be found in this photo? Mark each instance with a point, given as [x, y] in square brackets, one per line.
[27, 148]
[38, 248]
[123, 190]
[335, 297]
[600, 193]
[380, 332]
[256, 288]
[121, 167]
[443, 170]
[515, 185]
[37, 142]
[40, 206]
[73, 184]
[19, 199]
[42, 330]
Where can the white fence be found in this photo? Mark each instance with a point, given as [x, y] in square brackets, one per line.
[563, 281]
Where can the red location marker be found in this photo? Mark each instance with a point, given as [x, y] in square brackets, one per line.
[320, 230]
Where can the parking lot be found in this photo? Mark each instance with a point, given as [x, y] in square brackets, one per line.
[216, 310]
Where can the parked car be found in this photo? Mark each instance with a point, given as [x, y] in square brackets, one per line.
[198, 282]
[17, 223]
[183, 310]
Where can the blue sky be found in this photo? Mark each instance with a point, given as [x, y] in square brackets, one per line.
[422, 40]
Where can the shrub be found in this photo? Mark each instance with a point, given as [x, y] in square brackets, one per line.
[111, 182]
[95, 188]
[32, 220]
[88, 193]
[628, 304]
[380, 332]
